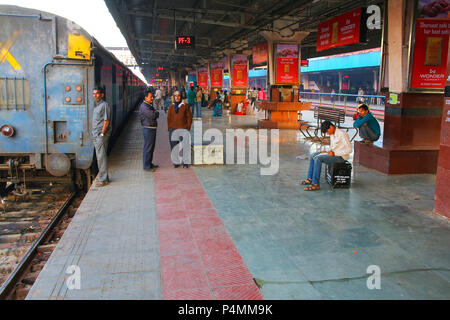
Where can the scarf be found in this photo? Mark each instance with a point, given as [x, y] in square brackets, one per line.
[176, 104]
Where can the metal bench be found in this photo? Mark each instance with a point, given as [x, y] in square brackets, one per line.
[335, 116]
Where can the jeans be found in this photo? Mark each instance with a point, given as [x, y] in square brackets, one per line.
[198, 107]
[366, 132]
[101, 147]
[183, 159]
[149, 147]
[315, 165]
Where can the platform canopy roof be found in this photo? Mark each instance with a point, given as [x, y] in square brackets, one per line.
[150, 27]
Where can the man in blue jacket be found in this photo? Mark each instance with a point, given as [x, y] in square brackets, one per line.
[369, 128]
[149, 123]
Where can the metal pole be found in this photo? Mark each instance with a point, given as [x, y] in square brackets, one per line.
[345, 104]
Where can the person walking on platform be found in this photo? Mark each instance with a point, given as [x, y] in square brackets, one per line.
[149, 121]
[101, 132]
[340, 149]
[179, 116]
[369, 128]
[190, 94]
[198, 103]
[206, 97]
[158, 99]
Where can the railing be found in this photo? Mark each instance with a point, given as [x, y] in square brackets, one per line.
[343, 100]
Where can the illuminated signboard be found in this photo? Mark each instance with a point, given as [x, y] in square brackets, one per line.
[346, 29]
[185, 42]
[304, 63]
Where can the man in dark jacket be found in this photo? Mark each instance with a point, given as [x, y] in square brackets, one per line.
[149, 123]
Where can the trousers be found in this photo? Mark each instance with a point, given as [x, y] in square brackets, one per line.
[366, 132]
[315, 165]
[149, 146]
[101, 147]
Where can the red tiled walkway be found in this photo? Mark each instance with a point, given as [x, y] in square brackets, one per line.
[198, 257]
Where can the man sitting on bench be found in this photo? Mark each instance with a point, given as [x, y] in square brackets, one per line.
[369, 128]
[340, 149]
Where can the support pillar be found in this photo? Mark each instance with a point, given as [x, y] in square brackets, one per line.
[442, 196]
[282, 105]
[412, 126]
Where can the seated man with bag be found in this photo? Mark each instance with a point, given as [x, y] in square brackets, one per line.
[340, 149]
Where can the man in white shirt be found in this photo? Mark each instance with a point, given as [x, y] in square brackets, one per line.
[158, 99]
[340, 149]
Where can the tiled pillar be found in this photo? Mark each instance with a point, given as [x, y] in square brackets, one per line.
[442, 196]
[412, 126]
[282, 103]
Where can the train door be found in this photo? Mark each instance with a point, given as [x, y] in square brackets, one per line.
[66, 107]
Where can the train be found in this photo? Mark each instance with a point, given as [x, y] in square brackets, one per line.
[49, 66]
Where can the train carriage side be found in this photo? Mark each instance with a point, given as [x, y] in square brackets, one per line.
[46, 103]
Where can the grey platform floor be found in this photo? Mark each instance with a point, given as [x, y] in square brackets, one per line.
[113, 237]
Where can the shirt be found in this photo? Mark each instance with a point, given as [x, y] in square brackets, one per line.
[158, 94]
[198, 98]
[340, 144]
[190, 97]
[371, 121]
[101, 113]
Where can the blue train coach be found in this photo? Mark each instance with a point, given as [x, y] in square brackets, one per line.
[48, 69]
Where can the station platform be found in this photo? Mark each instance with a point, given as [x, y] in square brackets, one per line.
[226, 232]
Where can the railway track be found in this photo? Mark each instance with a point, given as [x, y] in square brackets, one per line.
[32, 231]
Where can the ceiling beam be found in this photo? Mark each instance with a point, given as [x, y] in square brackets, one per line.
[189, 19]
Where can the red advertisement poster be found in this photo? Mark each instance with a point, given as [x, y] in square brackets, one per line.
[202, 77]
[216, 75]
[240, 70]
[339, 31]
[259, 53]
[430, 53]
[287, 63]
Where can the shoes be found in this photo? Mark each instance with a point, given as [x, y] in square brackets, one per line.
[101, 183]
[152, 168]
[185, 166]
[176, 165]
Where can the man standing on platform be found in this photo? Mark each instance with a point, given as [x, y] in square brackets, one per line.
[178, 117]
[158, 99]
[369, 128]
[149, 123]
[101, 132]
[190, 95]
[198, 103]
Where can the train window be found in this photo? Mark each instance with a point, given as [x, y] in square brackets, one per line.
[14, 93]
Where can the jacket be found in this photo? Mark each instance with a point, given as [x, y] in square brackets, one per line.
[180, 120]
[148, 115]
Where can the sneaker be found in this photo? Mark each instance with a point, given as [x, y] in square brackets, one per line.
[101, 183]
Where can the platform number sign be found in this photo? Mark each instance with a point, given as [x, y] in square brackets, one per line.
[185, 42]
